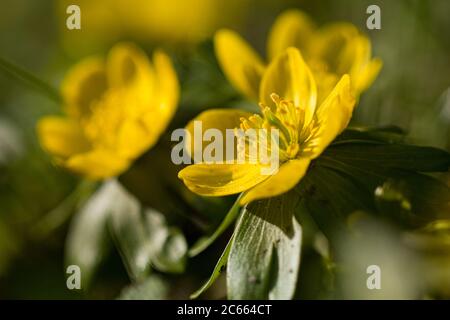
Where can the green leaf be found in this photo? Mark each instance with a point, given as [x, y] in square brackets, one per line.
[330, 196]
[205, 242]
[218, 269]
[265, 254]
[128, 232]
[87, 241]
[386, 134]
[399, 156]
[428, 196]
[345, 178]
[143, 237]
[168, 246]
[152, 288]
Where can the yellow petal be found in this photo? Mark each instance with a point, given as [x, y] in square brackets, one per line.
[367, 75]
[97, 164]
[344, 50]
[293, 28]
[84, 84]
[221, 179]
[220, 119]
[334, 45]
[290, 78]
[151, 96]
[363, 70]
[163, 104]
[61, 137]
[287, 177]
[134, 139]
[358, 53]
[128, 66]
[325, 84]
[333, 116]
[167, 89]
[240, 63]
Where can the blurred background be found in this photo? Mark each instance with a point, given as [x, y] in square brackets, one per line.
[36, 202]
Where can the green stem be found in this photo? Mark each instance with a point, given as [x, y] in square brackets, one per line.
[218, 269]
[57, 216]
[205, 242]
[31, 80]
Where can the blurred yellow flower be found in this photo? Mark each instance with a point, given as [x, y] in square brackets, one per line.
[182, 22]
[330, 51]
[289, 103]
[116, 108]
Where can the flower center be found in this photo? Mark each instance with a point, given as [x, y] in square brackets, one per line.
[289, 120]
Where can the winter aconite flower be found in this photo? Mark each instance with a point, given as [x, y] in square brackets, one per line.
[288, 100]
[181, 23]
[331, 51]
[115, 109]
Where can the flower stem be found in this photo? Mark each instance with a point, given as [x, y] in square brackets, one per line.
[29, 79]
[62, 212]
[205, 242]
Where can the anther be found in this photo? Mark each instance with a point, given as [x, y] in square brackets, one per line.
[275, 98]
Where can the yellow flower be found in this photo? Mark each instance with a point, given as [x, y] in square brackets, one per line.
[288, 96]
[178, 22]
[116, 108]
[330, 51]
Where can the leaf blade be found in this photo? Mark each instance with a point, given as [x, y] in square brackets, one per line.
[265, 255]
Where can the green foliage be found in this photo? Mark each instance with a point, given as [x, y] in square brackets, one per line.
[363, 170]
[87, 242]
[265, 254]
[152, 288]
[143, 238]
[344, 179]
[142, 235]
[218, 269]
[367, 174]
[204, 242]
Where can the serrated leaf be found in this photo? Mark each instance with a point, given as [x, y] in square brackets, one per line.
[153, 287]
[87, 241]
[265, 254]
